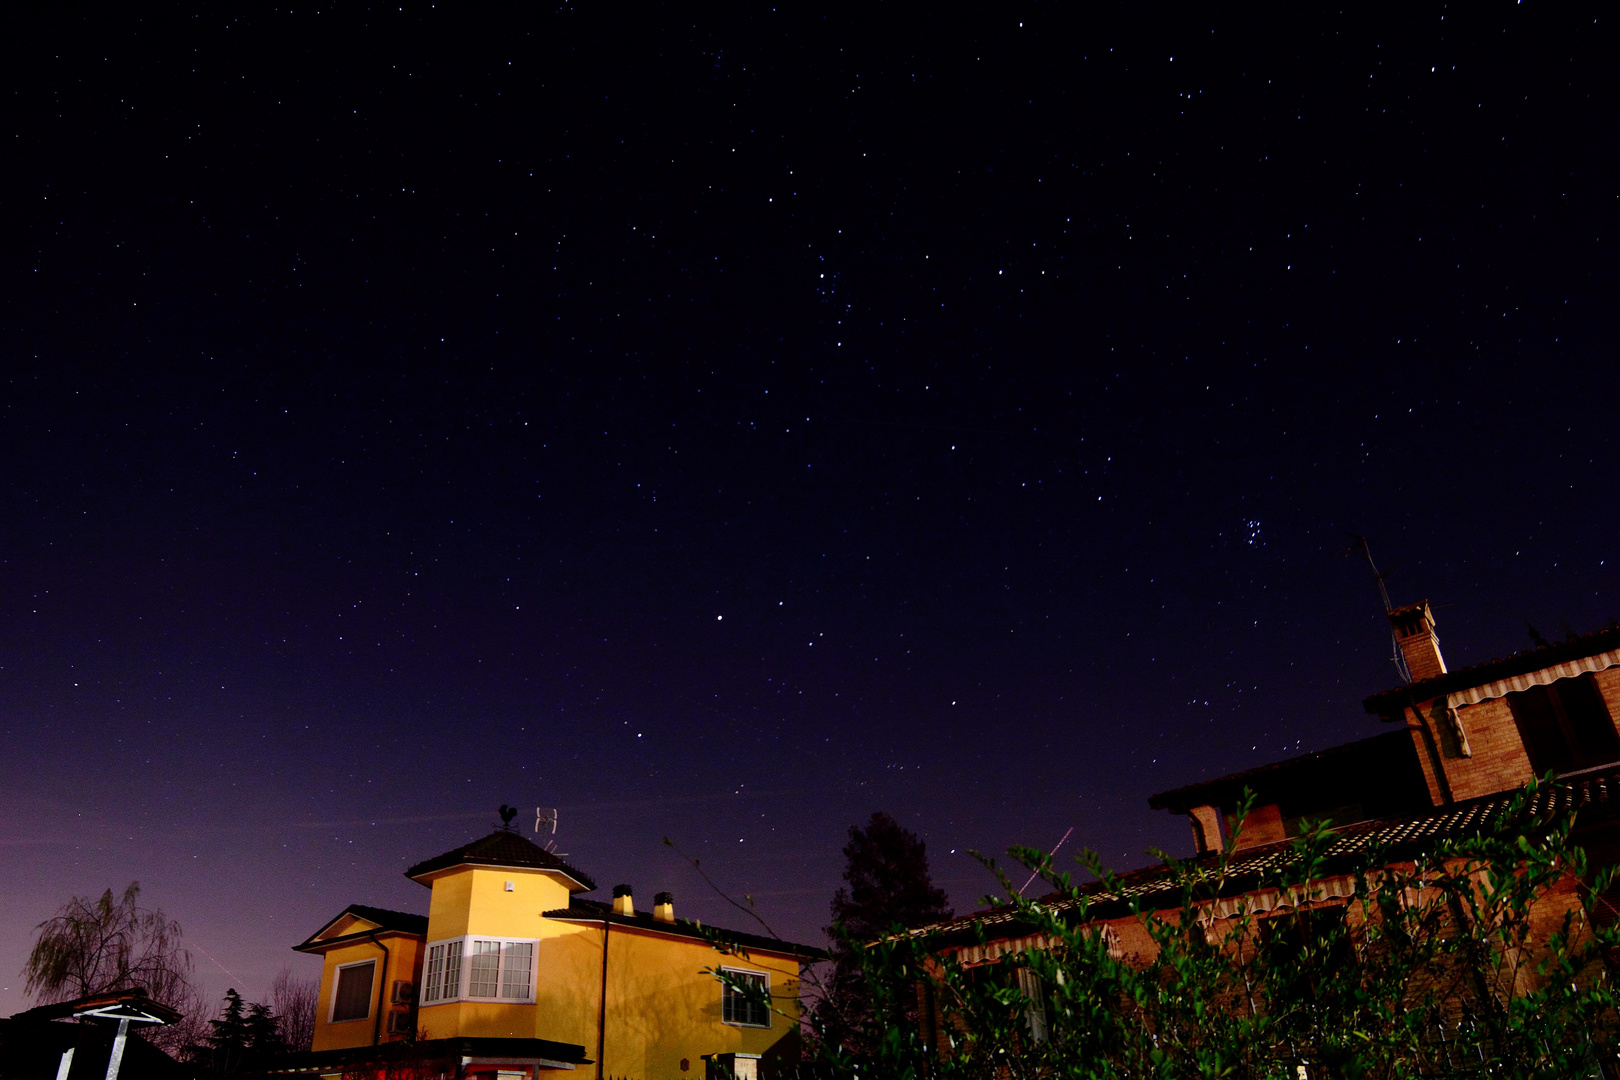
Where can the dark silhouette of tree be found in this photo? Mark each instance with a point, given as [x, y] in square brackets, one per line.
[887, 887]
[93, 946]
[263, 1032]
[293, 1002]
[227, 1038]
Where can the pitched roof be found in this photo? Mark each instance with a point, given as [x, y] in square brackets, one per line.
[502, 848]
[385, 920]
[1224, 790]
[595, 911]
[113, 1004]
[1593, 792]
[1391, 702]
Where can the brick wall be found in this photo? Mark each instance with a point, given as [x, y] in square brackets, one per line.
[1608, 684]
[1499, 761]
[1263, 825]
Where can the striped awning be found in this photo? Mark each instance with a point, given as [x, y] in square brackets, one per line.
[1502, 687]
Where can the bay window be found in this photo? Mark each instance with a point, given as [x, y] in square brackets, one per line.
[476, 968]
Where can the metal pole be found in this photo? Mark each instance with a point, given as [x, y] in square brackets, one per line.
[116, 1058]
[601, 1015]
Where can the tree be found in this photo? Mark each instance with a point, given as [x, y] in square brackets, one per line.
[263, 1031]
[97, 946]
[227, 1040]
[293, 1001]
[887, 887]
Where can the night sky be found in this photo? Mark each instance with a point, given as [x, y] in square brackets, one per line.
[724, 429]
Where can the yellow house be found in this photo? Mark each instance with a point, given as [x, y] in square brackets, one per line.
[512, 974]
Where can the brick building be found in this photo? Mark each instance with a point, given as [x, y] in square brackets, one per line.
[1459, 736]
[1458, 747]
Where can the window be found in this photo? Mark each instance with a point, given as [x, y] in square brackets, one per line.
[1565, 725]
[745, 1000]
[351, 992]
[485, 969]
[491, 969]
[1034, 991]
[518, 961]
[443, 972]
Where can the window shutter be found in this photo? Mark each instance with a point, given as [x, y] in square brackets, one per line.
[352, 997]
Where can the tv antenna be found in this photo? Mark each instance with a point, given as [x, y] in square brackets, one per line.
[545, 824]
[1396, 656]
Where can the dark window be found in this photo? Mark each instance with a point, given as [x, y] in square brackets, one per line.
[351, 1000]
[746, 1002]
[1565, 725]
[1302, 949]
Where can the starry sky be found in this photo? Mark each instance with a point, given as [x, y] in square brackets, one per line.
[724, 428]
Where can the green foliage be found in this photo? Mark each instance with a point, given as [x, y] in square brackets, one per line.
[1472, 958]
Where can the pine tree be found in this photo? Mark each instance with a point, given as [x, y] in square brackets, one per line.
[228, 1039]
[263, 1032]
[887, 886]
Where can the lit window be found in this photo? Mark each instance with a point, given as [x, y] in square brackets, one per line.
[744, 998]
[517, 960]
[485, 970]
[443, 972]
[351, 994]
[492, 969]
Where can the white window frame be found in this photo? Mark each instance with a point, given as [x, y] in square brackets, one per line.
[725, 989]
[337, 979]
[464, 969]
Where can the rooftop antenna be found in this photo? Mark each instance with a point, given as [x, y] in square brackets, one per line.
[1396, 655]
[1049, 854]
[545, 823]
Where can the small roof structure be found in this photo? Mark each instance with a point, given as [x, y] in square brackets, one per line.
[501, 848]
[132, 1005]
[358, 922]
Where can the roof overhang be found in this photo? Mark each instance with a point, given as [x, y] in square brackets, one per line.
[316, 946]
[131, 1005]
[573, 884]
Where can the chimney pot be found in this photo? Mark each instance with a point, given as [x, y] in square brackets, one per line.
[664, 907]
[623, 902]
[1419, 645]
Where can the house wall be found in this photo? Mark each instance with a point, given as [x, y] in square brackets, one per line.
[474, 900]
[663, 1004]
[404, 963]
[1498, 762]
[662, 1007]
[1608, 684]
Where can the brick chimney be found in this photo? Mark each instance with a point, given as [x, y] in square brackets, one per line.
[1414, 633]
[622, 902]
[664, 907]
